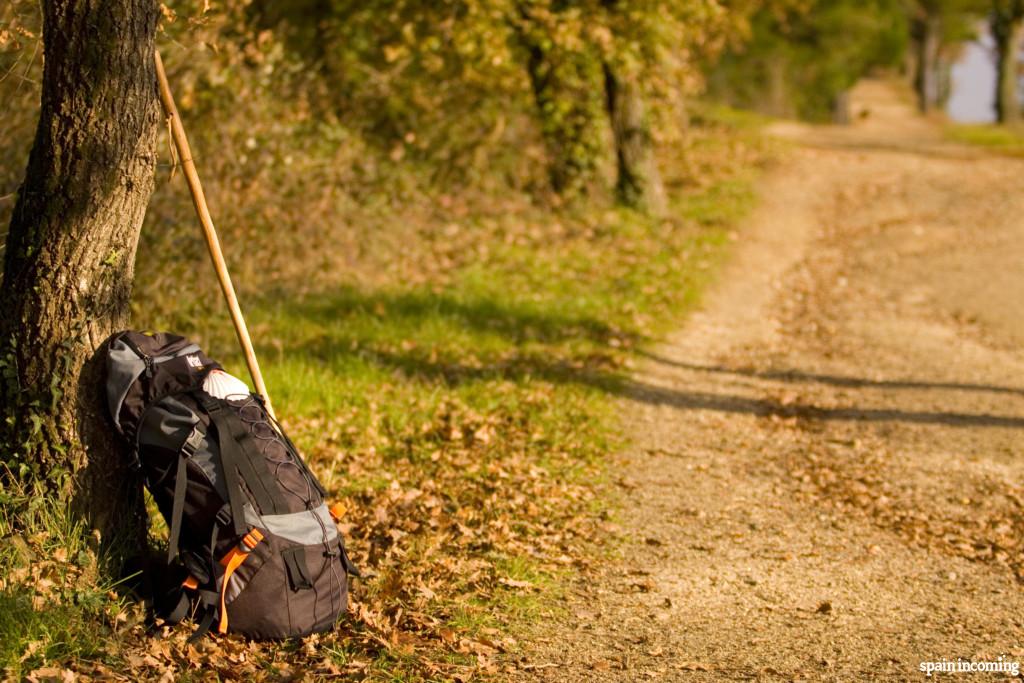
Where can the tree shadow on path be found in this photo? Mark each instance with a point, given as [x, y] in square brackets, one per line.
[833, 380]
[548, 359]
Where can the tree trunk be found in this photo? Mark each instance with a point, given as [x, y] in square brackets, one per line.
[638, 182]
[1007, 34]
[779, 102]
[841, 113]
[568, 104]
[566, 119]
[928, 30]
[909, 68]
[70, 256]
[945, 80]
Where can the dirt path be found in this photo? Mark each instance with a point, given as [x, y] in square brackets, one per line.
[827, 478]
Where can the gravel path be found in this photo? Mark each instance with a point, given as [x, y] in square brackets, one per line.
[826, 478]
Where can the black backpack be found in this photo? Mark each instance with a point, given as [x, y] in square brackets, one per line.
[255, 545]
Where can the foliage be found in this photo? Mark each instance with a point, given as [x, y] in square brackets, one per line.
[1005, 11]
[460, 83]
[802, 55]
[20, 67]
[957, 16]
[434, 82]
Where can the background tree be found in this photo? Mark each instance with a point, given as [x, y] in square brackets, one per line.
[1006, 21]
[565, 76]
[802, 56]
[652, 62]
[937, 29]
[638, 180]
[457, 83]
[70, 251]
[926, 26]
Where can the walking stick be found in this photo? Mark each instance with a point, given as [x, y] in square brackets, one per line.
[212, 242]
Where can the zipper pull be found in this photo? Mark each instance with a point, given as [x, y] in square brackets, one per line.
[149, 366]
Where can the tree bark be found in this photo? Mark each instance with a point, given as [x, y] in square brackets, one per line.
[1006, 30]
[565, 120]
[638, 183]
[928, 40]
[841, 113]
[70, 255]
[568, 105]
[779, 102]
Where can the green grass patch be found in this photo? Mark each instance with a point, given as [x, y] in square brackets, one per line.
[738, 120]
[1003, 139]
[34, 634]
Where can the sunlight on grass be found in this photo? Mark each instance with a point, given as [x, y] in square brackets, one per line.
[1003, 139]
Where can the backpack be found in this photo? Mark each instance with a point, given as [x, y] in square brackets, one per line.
[250, 531]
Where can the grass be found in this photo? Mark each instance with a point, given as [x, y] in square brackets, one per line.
[56, 634]
[460, 414]
[1003, 139]
[52, 594]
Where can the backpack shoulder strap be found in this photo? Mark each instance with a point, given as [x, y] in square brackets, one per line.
[227, 450]
[187, 450]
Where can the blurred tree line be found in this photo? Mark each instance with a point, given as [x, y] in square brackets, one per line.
[557, 97]
[804, 55]
[468, 90]
[459, 82]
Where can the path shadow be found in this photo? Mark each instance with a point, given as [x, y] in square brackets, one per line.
[833, 380]
[594, 368]
[763, 407]
[519, 323]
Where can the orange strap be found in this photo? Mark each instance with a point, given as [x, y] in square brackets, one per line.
[191, 583]
[231, 562]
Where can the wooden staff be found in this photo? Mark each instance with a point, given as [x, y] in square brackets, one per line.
[212, 242]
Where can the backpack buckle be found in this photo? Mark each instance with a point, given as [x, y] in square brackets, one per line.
[223, 515]
[209, 403]
[193, 442]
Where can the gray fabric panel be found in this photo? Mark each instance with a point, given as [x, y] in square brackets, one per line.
[205, 457]
[123, 368]
[191, 348]
[236, 584]
[168, 424]
[298, 527]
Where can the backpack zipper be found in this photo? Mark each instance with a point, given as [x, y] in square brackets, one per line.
[151, 361]
[146, 358]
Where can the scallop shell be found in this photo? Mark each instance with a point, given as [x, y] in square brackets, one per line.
[220, 384]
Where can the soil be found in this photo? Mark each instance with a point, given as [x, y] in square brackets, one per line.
[825, 482]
